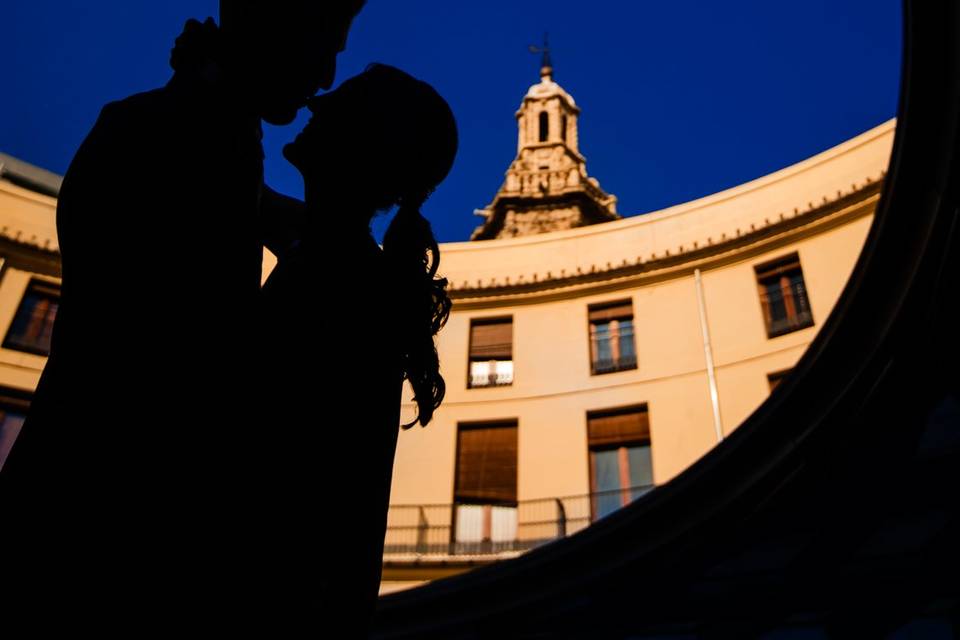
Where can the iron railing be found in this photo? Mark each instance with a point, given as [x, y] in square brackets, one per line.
[608, 365]
[493, 379]
[418, 530]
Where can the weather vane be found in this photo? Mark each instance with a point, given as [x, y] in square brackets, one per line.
[546, 66]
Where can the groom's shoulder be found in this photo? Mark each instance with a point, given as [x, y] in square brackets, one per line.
[122, 130]
[140, 110]
[165, 119]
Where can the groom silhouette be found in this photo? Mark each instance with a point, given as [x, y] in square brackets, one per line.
[137, 463]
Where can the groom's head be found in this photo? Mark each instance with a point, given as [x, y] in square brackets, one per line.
[284, 51]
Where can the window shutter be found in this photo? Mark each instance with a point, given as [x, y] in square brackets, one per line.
[618, 428]
[492, 340]
[619, 311]
[487, 464]
[779, 268]
[32, 326]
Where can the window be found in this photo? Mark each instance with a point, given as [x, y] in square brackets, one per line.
[33, 324]
[485, 495]
[773, 379]
[14, 405]
[611, 337]
[783, 296]
[563, 128]
[544, 126]
[491, 353]
[621, 469]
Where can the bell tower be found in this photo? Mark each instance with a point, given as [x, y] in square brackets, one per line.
[547, 187]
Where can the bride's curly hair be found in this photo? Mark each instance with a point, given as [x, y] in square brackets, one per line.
[412, 249]
[424, 128]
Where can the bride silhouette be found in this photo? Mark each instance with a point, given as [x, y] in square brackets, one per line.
[344, 324]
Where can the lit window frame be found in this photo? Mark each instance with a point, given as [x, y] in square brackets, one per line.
[487, 536]
[494, 375]
[795, 320]
[619, 363]
[626, 491]
[35, 284]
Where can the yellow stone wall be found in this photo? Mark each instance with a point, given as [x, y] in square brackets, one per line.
[553, 388]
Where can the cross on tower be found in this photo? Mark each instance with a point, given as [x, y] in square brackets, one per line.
[546, 66]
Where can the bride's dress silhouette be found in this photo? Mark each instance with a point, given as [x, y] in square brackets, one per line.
[344, 323]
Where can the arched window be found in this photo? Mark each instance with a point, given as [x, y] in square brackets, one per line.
[563, 128]
[544, 126]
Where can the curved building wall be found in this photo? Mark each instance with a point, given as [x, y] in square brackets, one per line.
[820, 210]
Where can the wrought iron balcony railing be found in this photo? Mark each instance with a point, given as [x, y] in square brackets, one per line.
[609, 365]
[786, 312]
[470, 529]
[491, 373]
[800, 320]
[494, 379]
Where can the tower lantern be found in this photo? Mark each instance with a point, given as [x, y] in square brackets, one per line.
[547, 187]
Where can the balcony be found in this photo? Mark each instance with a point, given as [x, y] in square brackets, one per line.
[458, 531]
[491, 373]
[610, 365]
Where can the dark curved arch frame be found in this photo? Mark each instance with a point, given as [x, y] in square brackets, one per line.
[842, 488]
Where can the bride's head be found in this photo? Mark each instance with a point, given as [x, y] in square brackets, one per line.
[381, 139]
[384, 138]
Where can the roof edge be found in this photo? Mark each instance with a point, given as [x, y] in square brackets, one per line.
[31, 177]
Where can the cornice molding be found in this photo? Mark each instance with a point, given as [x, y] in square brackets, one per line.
[627, 275]
[28, 257]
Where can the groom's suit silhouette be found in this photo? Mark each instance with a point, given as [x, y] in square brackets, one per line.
[136, 465]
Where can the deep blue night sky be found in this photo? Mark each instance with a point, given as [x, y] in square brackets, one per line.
[679, 99]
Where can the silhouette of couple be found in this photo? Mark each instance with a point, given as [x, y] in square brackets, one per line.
[200, 449]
